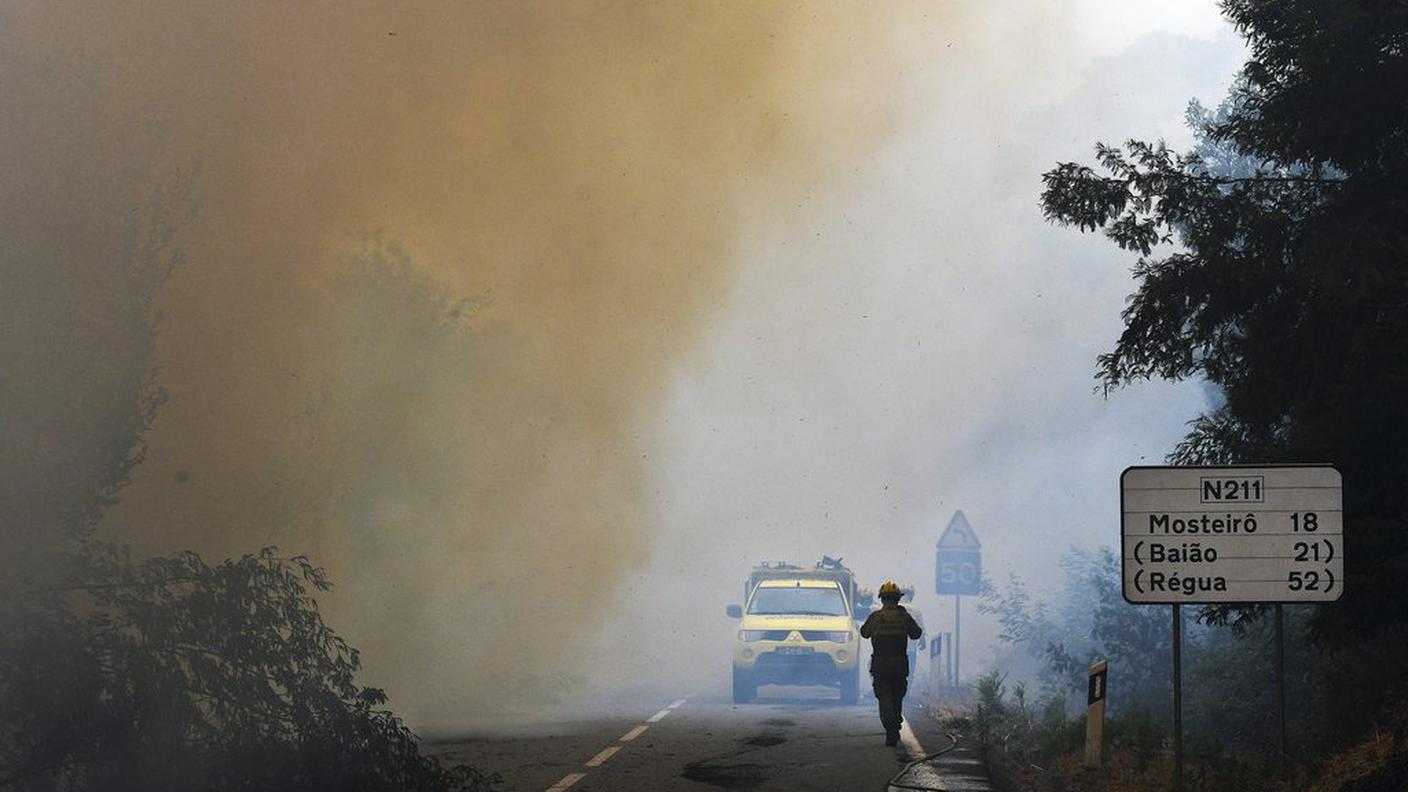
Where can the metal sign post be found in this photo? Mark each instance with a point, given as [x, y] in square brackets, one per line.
[1212, 535]
[958, 571]
[936, 644]
[1177, 697]
[948, 659]
[1280, 693]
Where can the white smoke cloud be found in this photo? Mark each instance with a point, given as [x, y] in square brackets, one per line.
[917, 340]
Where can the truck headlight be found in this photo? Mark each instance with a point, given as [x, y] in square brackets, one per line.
[840, 636]
[751, 635]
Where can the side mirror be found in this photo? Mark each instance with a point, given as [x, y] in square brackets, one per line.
[734, 611]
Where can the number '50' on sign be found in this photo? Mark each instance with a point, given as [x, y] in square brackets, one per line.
[958, 572]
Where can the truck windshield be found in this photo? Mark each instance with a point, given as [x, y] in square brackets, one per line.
[798, 600]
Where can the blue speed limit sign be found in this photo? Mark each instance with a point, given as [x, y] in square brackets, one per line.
[958, 571]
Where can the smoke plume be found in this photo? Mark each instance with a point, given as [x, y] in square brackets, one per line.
[445, 260]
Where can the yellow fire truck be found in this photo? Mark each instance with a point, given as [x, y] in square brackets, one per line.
[798, 627]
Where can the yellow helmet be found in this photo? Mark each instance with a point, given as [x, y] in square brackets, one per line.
[889, 589]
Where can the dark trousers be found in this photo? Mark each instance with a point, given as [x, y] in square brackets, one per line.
[889, 691]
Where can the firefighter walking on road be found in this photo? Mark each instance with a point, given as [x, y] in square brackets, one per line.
[890, 629]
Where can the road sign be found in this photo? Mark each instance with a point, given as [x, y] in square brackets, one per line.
[957, 560]
[959, 535]
[1232, 534]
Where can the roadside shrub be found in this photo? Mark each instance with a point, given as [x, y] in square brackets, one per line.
[171, 674]
[992, 709]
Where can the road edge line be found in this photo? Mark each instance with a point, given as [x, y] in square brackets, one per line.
[911, 743]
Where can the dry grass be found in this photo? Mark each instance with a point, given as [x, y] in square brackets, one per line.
[1379, 764]
[1366, 767]
[1121, 773]
[1134, 763]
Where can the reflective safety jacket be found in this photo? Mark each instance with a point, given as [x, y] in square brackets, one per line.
[889, 630]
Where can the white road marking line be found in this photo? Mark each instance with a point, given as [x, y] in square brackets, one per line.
[911, 743]
[606, 753]
[567, 781]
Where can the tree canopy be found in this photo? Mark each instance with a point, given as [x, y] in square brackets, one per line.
[1273, 263]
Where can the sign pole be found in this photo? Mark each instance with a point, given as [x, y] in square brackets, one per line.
[1280, 692]
[1177, 699]
[957, 635]
[932, 674]
[936, 646]
[948, 659]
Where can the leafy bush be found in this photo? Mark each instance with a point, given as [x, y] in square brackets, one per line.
[171, 674]
[992, 709]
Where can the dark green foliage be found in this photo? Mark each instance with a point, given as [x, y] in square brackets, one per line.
[171, 674]
[1327, 82]
[1273, 262]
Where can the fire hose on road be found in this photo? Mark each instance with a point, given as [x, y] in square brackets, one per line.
[895, 780]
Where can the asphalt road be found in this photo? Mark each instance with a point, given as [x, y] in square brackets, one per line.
[789, 739]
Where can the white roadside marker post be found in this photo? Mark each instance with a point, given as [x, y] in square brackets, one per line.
[1095, 713]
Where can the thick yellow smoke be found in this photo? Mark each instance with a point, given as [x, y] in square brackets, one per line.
[455, 436]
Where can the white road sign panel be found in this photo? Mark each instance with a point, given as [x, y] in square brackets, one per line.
[1232, 534]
